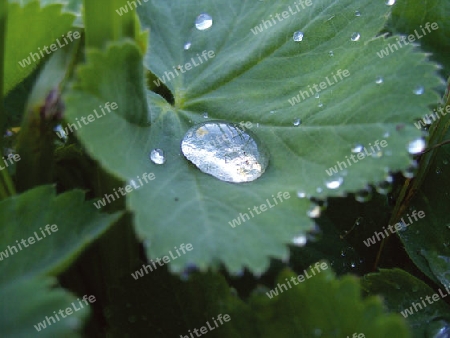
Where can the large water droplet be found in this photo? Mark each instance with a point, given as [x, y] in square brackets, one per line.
[390, 2]
[419, 90]
[334, 183]
[203, 21]
[355, 36]
[187, 45]
[298, 36]
[297, 122]
[416, 146]
[157, 156]
[225, 151]
[438, 328]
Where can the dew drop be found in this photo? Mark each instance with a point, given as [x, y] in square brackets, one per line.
[357, 13]
[355, 36]
[299, 240]
[205, 115]
[315, 234]
[379, 80]
[317, 96]
[297, 122]
[438, 170]
[411, 170]
[331, 53]
[157, 156]
[385, 186]
[320, 105]
[445, 161]
[298, 36]
[334, 183]
[319, 190]
[301, 194]
[416, 146]
[225, 151]
[187, 45]
[314, 212]
[390, 2]
[357, 148]
[203, 21]
[419, 90]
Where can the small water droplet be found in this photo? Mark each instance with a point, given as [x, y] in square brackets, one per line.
[363, 195]
[378, 154]
[203, 21]
[187, 45]
[357, 148]
[272, 112]
[390, 2]
[299, 240]
[317, 95]
[157, 156]
[331, 53]
[334, 183]
[355, 36]
[411, 170]
[445, 161]
[416, 146]
[320, 105]
[379, 80]
[386, 134]
[319, 190]
[385, 186]
[225, 151]
[205, 115]
[419, 90]
[315, 234]
[357, 13]
[438, 170]
[314, 212]
[301, 194]
[297, 122]
[298, 36]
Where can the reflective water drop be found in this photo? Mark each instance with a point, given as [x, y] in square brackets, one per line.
[301, 194]
[157, 156]
[298, 36]
[187, 45]
[203, 21]
[317, 95]
[320, 105]
[205, 115]
[386, 134]
[379, 80]
[355, 36]
[357, 148]
[334, 183]
[385, 186]
[445, 161]
[299, 240]
[390, 2]
[314, 212]
[419, 90]
[357, 13]
[438, 170]
[416, 146]
[403, 226]
[438, 328]
[363, 195]
[315, 234]
[297, 122]
[411, 170]
[331, 53]
[225, 151]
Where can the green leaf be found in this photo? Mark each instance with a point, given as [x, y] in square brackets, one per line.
[47, 25]
[411, 16]
[258, 74]
[25, 304]
[25, 216]
[321, 306]
[400, 290]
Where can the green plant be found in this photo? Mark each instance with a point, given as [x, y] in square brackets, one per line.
[95, 104]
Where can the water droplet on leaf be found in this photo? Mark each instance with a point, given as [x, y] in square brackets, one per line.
[357, 13]
[416, 146]
[203, 21]
[187, 45]
[298, 36]
[355, 36]
[157, 156]
[379, 80]
[205, 115]
[299, 240]
[419, 90]
[363, 195]
[334, 183]
[357, 148]
[297, 122]
[225, 151]
[390, 2]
